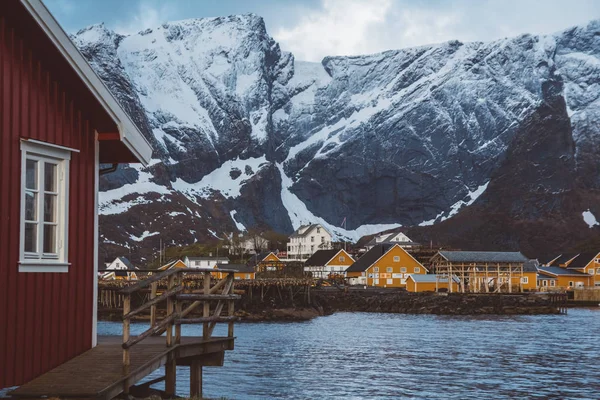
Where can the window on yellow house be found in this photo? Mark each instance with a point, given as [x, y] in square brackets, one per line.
[525, 280]
[417, 270]
[591, 271]
[570, 283]
[552, 283]
[376, 269]
[389, 269]
[390, 281]
[342, 259]
[396, 258]
[403, 269]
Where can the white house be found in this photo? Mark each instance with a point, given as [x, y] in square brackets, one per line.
[307, 240]
[391, 238]
[204, 262]
[120, 268]
[120, 263]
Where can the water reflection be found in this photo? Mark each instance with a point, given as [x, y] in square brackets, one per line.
[355, 356]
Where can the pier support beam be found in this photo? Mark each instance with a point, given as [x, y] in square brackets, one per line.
[170, 377]
[196, 379]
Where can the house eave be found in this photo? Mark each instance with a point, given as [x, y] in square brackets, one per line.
[129, 134]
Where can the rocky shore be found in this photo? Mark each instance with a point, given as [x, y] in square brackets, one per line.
[302, 307]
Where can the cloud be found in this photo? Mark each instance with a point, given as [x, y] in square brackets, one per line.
[352, 27]
[149, 14]
[340, 26]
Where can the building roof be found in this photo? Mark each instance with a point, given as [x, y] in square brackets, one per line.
[582, 260]
[484, 256]
[129, 134]
[320, 258]
[557, 271]
[308, 229]
[248, 269]
[548, 259]
[208, 258]
[388, 239]
[430, 278]
[369, 257]
[563, 259]
[530, 266]
[545, 277]
[127, 263]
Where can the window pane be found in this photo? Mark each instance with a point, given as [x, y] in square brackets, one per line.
[30, 237]
[31, 174]
[50, 177]
[30, 206]
[49, 208]
[49, 238]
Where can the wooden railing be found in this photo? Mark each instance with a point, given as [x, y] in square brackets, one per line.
[175, 316]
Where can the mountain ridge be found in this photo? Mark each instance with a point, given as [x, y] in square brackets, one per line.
[400, 138]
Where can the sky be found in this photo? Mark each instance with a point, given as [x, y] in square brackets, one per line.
[313, 29]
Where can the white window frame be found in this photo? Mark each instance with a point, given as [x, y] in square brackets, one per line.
[417, 270]
[375, 269]
[552, 283]
[61, 156]
[597, 271]
[396, 258]
[525, 280]
[389, 269]
[342, 258]
[390, 282]
[591, 271]
[402, 269]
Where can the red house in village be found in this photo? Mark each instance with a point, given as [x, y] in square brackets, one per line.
[58, 123]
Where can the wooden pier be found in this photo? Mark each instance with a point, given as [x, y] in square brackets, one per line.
[116, 364]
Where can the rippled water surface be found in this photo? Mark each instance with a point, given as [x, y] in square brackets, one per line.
[364, 355]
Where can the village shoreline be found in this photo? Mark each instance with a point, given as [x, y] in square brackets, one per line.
[280, 307]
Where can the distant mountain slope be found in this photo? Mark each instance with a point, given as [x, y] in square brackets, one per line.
[246, 136]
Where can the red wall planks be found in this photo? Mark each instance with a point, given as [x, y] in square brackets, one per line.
[45, 318]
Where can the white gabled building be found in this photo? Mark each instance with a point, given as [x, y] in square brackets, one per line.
[204, 262]
[307, 240]
[391, 238]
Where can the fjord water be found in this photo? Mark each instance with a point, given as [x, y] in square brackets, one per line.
[368, 355]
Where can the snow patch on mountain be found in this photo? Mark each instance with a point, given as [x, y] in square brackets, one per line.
[144, 235]
[456, 207]
[228, 179]
[589, 218]
[238, 225]
[301, 215]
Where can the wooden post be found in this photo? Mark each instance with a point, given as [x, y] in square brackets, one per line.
[177, 282]
[170, 376]
[230, 313]
[206, 311]
[170, 308]
[509, 278]
[153, 289]
[196, 379]
[126, 358]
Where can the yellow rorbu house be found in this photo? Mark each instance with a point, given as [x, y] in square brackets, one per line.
[571, 270]
[266, 262]
[173, 264]
[242, 271]
[384, 265]
[324, 263]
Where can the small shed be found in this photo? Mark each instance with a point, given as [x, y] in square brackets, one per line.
[430, 283]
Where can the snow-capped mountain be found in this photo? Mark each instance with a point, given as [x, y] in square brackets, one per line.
[247, 136]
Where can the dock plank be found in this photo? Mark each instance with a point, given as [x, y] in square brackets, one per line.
[98, 373]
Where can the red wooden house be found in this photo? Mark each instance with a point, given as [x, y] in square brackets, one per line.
[58, 123]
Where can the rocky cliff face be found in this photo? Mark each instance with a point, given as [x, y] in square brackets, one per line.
[247, 136]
